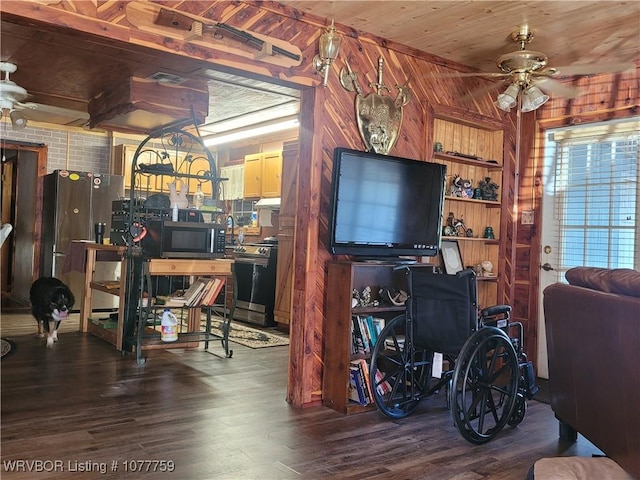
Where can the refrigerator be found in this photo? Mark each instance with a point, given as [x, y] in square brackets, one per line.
[73, 202]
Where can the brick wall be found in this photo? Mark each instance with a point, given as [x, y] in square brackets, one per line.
[88, 152]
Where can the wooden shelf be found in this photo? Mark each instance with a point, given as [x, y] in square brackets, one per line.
[487, 241]
[378, 309]
[487, 203]
[483, 137]
[343, 277]
[467, 161]
[112, 288]
[487, 279]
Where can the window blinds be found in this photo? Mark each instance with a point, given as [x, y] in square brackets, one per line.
[596, 201]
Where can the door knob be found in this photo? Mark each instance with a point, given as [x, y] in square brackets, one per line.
[546, 267]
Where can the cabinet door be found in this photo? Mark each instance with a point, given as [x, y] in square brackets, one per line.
[123, 160]
[271, 174]
[286, 234]
[253, 175]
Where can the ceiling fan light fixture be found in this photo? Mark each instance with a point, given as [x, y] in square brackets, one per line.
[507, 100]
[17, 120]
[533, 98]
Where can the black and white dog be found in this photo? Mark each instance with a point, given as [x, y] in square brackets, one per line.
[51, 301]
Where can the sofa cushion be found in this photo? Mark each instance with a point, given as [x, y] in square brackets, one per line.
[623, 281]
[589, 277]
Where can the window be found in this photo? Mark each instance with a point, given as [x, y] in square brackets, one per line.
[592, 176]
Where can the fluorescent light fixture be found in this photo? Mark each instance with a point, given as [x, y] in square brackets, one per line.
[288, 109]
[254, 131]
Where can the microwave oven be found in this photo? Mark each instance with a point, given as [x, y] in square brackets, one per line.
[167, 239]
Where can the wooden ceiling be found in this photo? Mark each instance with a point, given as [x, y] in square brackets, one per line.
[58, 70]
[475, 33]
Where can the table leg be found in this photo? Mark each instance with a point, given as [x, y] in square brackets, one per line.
[85, 308]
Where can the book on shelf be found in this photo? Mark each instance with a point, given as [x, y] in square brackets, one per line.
[364, 333]
[359, 370]
[357, 341]
[359, 391]
[194, 292]
[212, 290]
[390, 344]
[356, 390]
[382, 386]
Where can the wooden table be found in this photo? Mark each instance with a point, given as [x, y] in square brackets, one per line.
[189, 266]
[92, 251]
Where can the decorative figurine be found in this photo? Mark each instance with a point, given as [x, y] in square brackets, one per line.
[455, 227]
[488, 233]
[437, 147]
[461, 188]
[487, 268]
[489, 189]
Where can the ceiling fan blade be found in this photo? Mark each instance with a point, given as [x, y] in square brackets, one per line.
[27, 105]
[465, 74]
[481, 91]
[549, 85]
[591, 69]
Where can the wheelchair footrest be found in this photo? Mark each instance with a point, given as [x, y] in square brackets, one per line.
[530, 380]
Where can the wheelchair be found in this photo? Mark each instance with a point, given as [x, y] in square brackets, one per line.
[442, 342]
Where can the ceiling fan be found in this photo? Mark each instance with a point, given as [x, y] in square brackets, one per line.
[11, 97]
[530, 79]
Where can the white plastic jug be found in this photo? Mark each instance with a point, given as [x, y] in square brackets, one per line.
[169, 326]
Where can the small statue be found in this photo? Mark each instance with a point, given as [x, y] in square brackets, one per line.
[461, 187]
[178, 197]
[489, 189]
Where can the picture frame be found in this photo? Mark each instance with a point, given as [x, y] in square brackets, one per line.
[451, 257]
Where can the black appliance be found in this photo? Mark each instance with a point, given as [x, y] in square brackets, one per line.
[121, 216]
[254, 277]
[385, 206]
[167, 239]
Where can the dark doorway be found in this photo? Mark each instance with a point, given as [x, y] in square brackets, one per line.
[22, 208]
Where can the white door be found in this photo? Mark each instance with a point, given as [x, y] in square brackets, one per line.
[589, 205]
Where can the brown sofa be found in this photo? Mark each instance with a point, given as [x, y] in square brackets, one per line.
[593, 342]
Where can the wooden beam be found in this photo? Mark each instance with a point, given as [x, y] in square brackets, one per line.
[142, 105]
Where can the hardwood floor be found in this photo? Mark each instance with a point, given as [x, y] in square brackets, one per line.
[83, 405]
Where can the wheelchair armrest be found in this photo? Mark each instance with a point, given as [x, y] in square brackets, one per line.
[495, 310]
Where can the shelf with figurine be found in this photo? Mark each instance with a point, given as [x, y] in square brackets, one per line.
[455, 228]
[485, 192]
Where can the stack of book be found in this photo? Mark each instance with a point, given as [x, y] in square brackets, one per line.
[359, 383]
[203, 292]
[364, 333]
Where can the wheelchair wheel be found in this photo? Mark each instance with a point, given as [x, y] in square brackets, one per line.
[398, 382]
[485, 385]
[518, 412]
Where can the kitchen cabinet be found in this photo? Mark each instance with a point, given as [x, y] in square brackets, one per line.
[271, 174]
[253, 175]
[263, 175]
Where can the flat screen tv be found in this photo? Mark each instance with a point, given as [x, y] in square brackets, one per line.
[385, 206]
